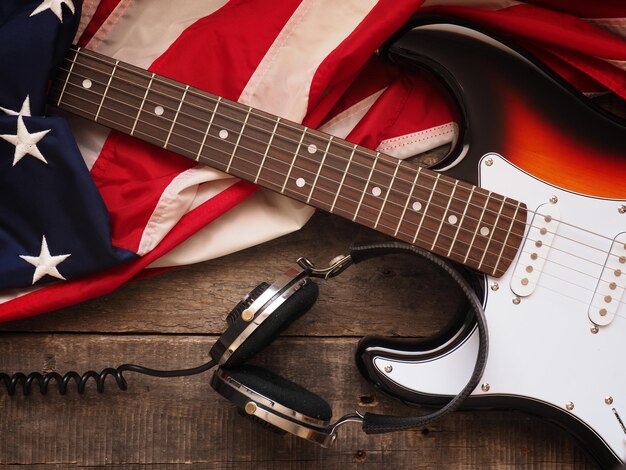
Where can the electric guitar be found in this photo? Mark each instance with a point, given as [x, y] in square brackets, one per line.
[532, 199]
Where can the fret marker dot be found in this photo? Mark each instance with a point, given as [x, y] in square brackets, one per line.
[312, 148]
[223, 134]
[159, 110]
[300, 182]
[87, 83]
[453, 219]
[376, 191]
[484, 231]
[417, 206]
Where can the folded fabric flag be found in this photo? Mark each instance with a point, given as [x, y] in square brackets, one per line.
[72, 228]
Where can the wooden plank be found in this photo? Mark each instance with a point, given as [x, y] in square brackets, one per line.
[182, 422]
[392, 296]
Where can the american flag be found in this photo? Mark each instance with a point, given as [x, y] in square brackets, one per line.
[84, 209]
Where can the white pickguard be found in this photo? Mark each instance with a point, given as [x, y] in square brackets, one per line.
[543, 348]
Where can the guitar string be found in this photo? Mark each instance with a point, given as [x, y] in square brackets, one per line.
[392, 230]
[580, 228]
[312, 173]
[269, 157]
[523, 251]
[584, 302]
[390, 189]
[234, 106]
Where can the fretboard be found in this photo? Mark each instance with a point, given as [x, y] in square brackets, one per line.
[448, 217]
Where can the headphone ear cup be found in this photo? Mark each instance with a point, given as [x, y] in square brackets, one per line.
[244, 303]
[282, 391]
[292, 309]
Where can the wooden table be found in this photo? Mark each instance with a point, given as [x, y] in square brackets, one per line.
[171, 320]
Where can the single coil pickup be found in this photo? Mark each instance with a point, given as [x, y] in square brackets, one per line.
[535, 249]
[610, 288]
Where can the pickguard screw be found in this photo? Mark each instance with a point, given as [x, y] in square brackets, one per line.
[621, 209]
[608, 400]
[247, 315]
[250, 407]
[594, 330]
[516, 300]
[488, 161]
[554, 199]
[569, 406]
[388, 369]
[495, 286]
[485, 387]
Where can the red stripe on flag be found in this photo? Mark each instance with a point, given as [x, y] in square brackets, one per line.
[132, 175]
[352, 54]
[585, 8]
[103, 11]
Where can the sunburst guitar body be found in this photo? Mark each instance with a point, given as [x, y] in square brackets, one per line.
[556, 319]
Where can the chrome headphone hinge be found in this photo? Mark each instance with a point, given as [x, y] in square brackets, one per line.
[337, 265]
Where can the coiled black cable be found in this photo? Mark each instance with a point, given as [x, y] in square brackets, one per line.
[37, 379]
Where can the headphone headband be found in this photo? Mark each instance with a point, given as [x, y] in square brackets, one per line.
[257, 321]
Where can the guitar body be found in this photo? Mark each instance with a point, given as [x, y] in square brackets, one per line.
[556, 319]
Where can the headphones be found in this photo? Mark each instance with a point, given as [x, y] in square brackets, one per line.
[284, 406]
[273, 401]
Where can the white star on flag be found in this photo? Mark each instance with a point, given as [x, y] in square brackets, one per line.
[25, 111]
[25, 142]
[55, 7]
[45, 263]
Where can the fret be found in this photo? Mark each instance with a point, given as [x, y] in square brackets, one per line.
[267, 149]
[367, 183]
[106, 90]
[491, 232]
[461, 222]
[69, 73]
[382, 207]
[162, 103]
[343, 178]
[332, 169]
[443, 219]
[293, 161]
[306, 166]
[208, 128]
[225, 136]
[508, 235]
[267, 143]
[408, 200]
[180, 104]
[478, 227]
[121, 96]
[143, 101]
[319, 170]
[239, 134]
[433, 190]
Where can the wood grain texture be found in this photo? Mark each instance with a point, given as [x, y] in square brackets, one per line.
[171, 320]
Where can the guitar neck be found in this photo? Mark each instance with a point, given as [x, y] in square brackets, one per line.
[457, 220]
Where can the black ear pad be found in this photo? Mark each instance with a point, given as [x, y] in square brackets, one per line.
[244, 303]
[292, 309]
[282, 391]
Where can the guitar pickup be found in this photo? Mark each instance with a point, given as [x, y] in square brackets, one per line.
[535, 250]
[610, 288]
